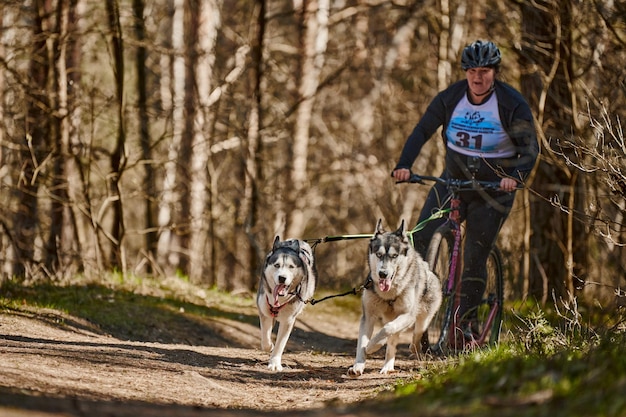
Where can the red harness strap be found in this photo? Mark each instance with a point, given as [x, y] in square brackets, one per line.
[275, 309]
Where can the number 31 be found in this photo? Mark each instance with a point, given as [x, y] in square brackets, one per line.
[464, 140]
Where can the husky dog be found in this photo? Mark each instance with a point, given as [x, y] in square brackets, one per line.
[287, 282]
[401, 291]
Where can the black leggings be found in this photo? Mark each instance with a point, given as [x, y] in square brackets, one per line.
[484, 214]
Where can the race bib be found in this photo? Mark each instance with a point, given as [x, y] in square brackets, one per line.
[476, 130]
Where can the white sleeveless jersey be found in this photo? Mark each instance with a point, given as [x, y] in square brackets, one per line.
[476, 130]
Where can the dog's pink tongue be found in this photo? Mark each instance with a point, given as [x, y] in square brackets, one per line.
[384, 285]
[279, 291]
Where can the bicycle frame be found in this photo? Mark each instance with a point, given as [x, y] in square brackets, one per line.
[450, 326]
[454, 278]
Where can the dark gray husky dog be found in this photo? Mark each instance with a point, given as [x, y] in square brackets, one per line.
[287, 282]
[403, 292]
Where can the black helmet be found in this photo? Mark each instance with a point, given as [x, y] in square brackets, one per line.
[480, 54]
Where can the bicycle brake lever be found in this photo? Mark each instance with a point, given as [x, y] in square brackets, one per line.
[415, 179]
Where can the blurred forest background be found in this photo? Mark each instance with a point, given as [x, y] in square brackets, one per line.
[161, 137]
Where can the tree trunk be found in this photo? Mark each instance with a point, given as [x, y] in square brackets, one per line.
[5, 241]
[168, 253]
[314, 41]
[25, 220]
[76, 170]
[253, 172]
[450, 37]
[63, 252]
[184, 173]
[117, 256]
[208, 26]
[557, 243]
[144, 133]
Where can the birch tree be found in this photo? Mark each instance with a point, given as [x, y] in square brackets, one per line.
[74, 148]
[209, 15]
[182, 217]
[64, 249]
[451, 36]
[167, 249]
[314, 41]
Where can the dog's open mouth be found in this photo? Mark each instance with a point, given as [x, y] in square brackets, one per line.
[384, 284]
[280, 290]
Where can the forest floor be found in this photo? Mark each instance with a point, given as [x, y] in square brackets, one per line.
[55, 363]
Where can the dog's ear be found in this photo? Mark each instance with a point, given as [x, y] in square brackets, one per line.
[274, 247]
[379, 228]
[305, 254]
[400, 231]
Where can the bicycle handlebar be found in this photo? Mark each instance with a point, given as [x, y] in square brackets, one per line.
[455, 184]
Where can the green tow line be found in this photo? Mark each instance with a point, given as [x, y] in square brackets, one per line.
[436, 215]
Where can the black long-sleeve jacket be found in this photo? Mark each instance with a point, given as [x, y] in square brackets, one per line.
[515, 115]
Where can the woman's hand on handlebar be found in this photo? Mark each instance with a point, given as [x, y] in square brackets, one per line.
[508, 184]
[401, 174]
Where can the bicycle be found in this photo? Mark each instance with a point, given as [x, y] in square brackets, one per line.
[443, 256]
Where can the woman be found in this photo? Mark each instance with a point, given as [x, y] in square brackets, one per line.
[489, 134]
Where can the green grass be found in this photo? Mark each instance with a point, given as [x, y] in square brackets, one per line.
[509, 381]
[548, 367]
[142, 310]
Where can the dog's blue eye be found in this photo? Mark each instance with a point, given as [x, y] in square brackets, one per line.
[394, 255]
[379, 255]
[277, 265]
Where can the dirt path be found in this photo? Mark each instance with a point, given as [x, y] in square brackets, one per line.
[59, 365]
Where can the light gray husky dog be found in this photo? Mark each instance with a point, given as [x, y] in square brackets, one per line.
[403, 292]
[287, 282]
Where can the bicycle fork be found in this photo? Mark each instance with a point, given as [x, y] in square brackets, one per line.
[454, 284]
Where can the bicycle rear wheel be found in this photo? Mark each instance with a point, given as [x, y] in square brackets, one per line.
[439, 259]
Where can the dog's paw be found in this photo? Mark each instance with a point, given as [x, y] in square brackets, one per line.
[387, 368]
[385, 371]
[356, 370]
[275, 365]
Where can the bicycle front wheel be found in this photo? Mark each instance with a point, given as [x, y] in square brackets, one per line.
[443, 335]
[485, 319]
[492, 305]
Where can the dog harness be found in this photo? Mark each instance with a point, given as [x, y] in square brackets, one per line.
[275, 308]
